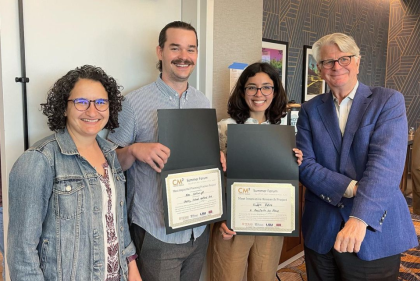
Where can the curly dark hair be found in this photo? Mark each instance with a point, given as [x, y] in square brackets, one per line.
[58, 95]
[163, 38]
[238, 109]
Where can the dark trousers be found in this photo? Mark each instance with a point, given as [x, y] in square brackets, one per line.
[161, 261]
[334, 266]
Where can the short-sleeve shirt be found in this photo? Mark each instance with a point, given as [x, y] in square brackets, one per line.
[139, 123]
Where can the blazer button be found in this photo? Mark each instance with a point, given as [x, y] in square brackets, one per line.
[68, 188]
[121, 203]
[328, 199]
[380, 223]
[322, 196]
[122, 228]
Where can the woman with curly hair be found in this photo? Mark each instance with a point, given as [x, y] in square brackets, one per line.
[68, 218]
[257, 98]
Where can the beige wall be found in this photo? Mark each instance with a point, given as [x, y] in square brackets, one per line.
[237, 38]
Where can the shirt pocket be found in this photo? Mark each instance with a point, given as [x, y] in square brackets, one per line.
[119, 176]
[68, 198]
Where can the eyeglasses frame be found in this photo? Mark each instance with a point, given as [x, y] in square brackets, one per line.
[90, 101]
[336, 61]
[272, 91]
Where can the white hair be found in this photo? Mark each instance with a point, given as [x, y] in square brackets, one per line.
[344, 42]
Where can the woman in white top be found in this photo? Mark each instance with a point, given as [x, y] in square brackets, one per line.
[258, 98]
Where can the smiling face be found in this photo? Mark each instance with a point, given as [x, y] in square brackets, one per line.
[259, 103]
[86, 124]
[340, 79]
[178, 56]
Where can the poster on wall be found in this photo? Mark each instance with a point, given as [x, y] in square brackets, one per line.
[275, 53]
[312, 83]
[235, 71]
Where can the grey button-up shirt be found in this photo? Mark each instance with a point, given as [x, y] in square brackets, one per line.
[139, 123]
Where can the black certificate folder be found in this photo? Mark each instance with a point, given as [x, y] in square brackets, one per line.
[260, 159]
[191, 179]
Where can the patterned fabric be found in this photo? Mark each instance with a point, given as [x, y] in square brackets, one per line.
[112, 268]
[139, 123]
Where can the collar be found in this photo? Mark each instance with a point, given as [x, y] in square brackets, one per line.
[251, 120]
[68, 147]
[351, 94]
[167, 90]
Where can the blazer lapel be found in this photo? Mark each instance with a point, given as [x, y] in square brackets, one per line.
[329, 117]
[360, 104]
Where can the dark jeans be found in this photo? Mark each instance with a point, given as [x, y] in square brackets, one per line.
[161, 261]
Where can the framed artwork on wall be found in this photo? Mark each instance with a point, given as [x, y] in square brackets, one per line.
[312, 83]
[275, 53]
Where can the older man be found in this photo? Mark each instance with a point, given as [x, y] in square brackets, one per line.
[354, 138]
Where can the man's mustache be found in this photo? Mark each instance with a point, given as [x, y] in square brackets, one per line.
[181, 61]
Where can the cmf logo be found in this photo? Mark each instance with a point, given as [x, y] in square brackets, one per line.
[178, 182]
[244, 190]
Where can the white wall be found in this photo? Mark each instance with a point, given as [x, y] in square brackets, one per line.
[11, 131]
[119, 36]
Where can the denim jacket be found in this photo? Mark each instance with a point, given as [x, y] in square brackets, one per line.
[55, 206]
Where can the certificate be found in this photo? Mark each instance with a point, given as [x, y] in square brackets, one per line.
[263, 207]
[262, 180]
[194, 197]
[192, 192]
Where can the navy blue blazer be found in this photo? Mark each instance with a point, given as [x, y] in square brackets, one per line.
[372, 151]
